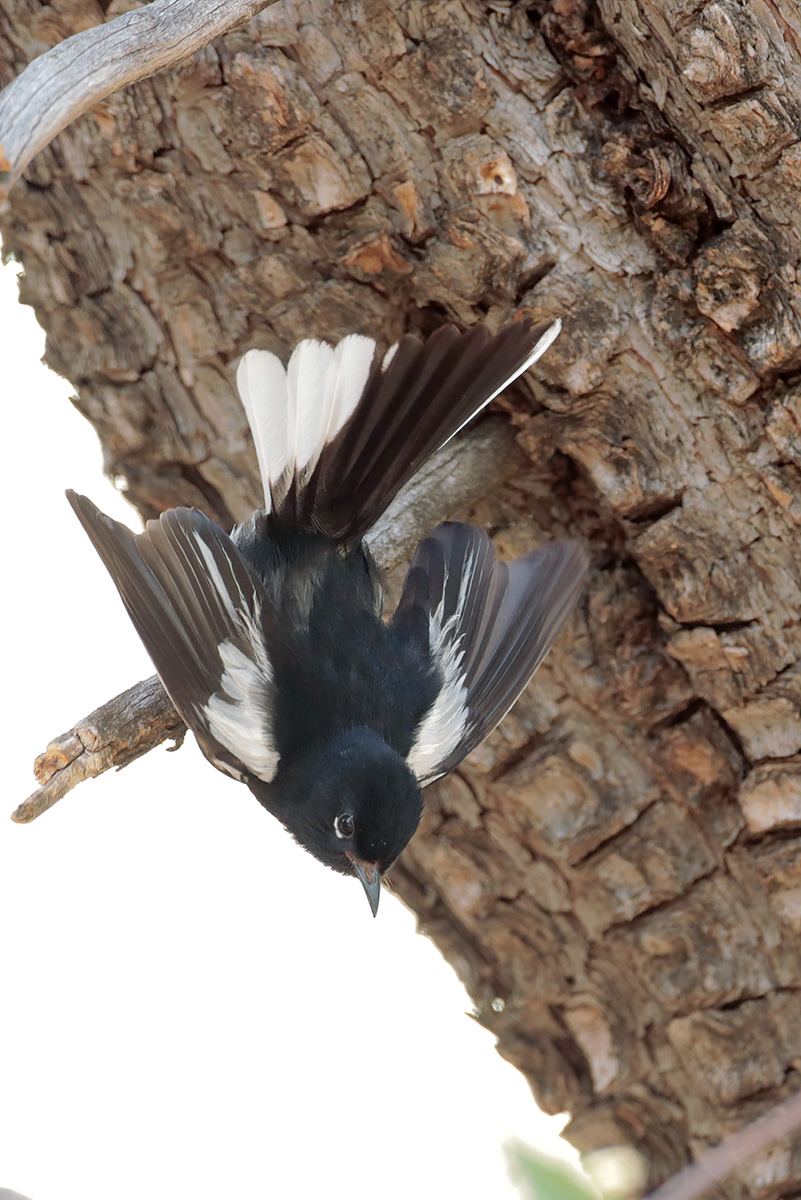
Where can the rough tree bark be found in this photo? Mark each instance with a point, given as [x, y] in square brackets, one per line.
[615, 873]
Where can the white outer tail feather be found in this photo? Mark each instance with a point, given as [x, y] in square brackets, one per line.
[537, 351]
[353, 358]
[294, 412]
[262, 383]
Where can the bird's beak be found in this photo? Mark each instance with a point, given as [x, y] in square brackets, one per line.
[370, 876]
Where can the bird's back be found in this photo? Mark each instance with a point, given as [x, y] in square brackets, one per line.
[343, 667]
[296, 567]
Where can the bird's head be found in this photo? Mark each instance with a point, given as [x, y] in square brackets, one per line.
[354, 807]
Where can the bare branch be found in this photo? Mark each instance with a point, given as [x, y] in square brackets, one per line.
[732, 1153]
[143, 717]
[466, 469]
[82, 70]
[112, 736]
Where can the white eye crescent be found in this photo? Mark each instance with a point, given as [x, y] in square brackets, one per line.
[343, 826]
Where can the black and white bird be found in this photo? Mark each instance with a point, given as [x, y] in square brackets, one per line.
[271, 642]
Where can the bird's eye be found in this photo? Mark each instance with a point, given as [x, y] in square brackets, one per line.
[343, 826]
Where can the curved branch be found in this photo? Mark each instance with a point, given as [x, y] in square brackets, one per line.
[66, 81]
[143, 717]
[732, 1153]
[112, 736]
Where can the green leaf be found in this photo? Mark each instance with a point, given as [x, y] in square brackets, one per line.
[546, 1178]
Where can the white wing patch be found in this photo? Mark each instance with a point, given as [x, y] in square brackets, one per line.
[294, 412]
[236, 714]
[443, 726]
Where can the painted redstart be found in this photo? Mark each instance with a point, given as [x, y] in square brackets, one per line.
[271, 642]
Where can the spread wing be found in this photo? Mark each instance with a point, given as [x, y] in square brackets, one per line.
[485, 627]
[205, 621]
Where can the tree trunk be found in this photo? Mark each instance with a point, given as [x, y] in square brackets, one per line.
[614, 874]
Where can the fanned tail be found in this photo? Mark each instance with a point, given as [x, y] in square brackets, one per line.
[340, 431]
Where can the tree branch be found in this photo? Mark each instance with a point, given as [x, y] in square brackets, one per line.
[112, 736]
[143, 717]
[732, 1153]
[65, 82]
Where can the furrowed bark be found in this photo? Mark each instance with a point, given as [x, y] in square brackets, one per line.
[83, 70]
[737, 1151]
[614, 874]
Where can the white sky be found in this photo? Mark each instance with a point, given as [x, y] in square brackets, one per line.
[191, 1006]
